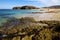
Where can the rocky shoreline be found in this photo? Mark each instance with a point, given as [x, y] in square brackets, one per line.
[34, 27]
[28, 29]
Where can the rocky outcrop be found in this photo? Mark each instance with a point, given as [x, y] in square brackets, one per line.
[29, 29]
[25, 7]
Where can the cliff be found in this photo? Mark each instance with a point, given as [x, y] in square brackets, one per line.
[25, 7]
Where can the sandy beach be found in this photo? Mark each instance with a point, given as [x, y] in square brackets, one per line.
[43, 16]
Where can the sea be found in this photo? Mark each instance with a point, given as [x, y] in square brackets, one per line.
[6, 14]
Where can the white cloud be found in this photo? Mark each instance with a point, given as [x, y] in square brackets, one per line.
[48, 2]
[55, 1]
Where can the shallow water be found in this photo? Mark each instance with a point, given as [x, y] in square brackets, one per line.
[9, 13]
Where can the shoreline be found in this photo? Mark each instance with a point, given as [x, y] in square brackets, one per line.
[43, 16]
[29, 28]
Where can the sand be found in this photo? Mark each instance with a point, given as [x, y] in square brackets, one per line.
[43, 16]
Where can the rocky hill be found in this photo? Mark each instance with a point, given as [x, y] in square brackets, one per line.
[25, 7]
[55, 7]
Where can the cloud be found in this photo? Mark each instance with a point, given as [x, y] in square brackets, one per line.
[48, 2]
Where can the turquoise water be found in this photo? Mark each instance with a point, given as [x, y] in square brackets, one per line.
[9, 13]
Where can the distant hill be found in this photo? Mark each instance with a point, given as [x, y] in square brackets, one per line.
[55, 6]
[26, 7]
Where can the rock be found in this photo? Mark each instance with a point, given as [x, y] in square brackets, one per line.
[29, 29]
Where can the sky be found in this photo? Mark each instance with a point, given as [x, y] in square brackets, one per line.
[8, 4]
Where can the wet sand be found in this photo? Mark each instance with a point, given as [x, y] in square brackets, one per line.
[43, 16]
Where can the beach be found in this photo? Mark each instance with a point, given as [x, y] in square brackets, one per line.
[43, 16]
[31, 26]
[29, 19]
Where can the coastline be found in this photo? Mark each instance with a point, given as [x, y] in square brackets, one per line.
[44, 26]
[41, 16]
[29, 29]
